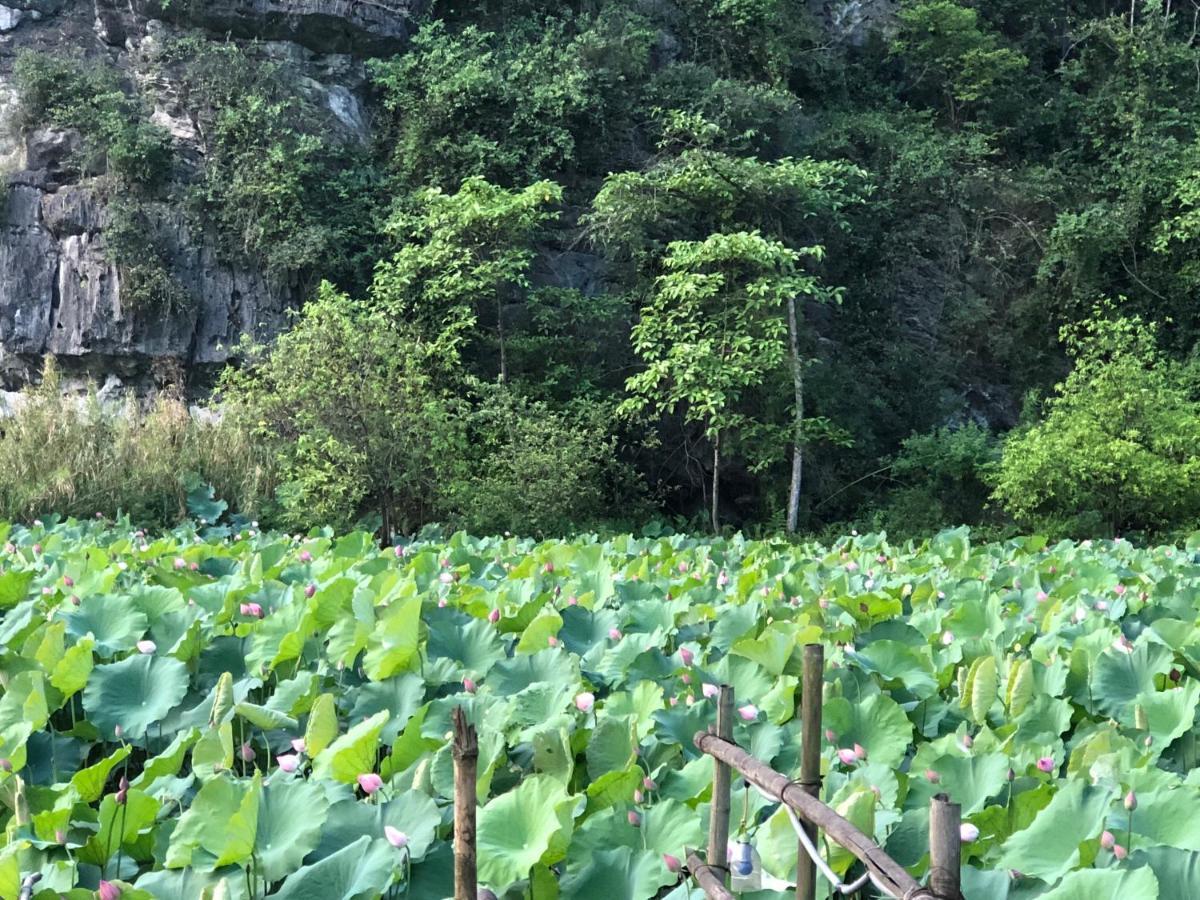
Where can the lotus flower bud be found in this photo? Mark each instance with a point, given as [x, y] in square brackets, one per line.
[60, 836]
[634, 819]
[585, 701]
[968, 833]
[687, 656]
[572, 600]
[1119, 851]
[847, 757]
[468, 685]
[1042, 596]
[146, 646]
[6, 764]
[614, 634]
[395, 837]
[289, 762]
[118, 731]
[709, 690]
[370, 783]
[1107, 841]
[1131, 801]
[674, 866]
[548, 568]
[859, 752]
[968, 742]
[68, 581]
[247, 752]
[299, 745]
[486, 894]
[108, 891]
[649, 783]
[310, 590]
[1011, 776]
[749, 712]
[494, 616]
[399, 551]
[305, 556]
[830, 735]
[37, 548]
[1119, 590]
[1046, 764]
[638, 796]
[1175, 675]
[932, 777]
[722, 579]
[685, 678]
[552, 641]
[947, 638]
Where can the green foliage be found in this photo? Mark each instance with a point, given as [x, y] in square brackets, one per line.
[87, 96]
[1118, 446]
[545, 95]
[72, 455]
[346, 401]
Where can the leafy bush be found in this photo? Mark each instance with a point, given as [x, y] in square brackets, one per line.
[1119, 446]
[77, 456]
[87, 96]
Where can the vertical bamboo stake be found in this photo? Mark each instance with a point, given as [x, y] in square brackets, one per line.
[466, 756]
[718, 823]
[945, 848]
[810, 760]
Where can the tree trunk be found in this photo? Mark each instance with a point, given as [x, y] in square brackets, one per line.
[716, 483]
[500, 336]
[793, 506]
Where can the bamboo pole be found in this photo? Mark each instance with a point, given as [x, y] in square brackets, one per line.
[945, 848]
[710, 880]
[718, 822]
[27, 886]
[889, 875]
[810, 761]
[466, 756]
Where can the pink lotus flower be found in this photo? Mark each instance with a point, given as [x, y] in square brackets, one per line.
[1131, 801]
[722, 579]
[947, 638]
[108, 891]
[1119, 590]
[585, 701]
[395, 837]
[687, 656]
[60, 836]
[6, 764]
[614, 634]
[634, 819]
[552, 641]
[194, 567]
[709, 690]
[932, 777]
[442, 603]
[468, 685]
[37, 548]
[180, 562]
[118, 731]
[674, 866]
[649, 783]
[968, 833]
[247, 752]
[831, 735]
[146, 646]
[847, 757]
[548, 568]
[310, 590]
[968, 742]
[399, 551]
[1107, 841]
[685, 678]
[749, 712]
[1042, 596]
[299, 745]
[68, 581]
[672, 701]
[252, 610]
[638, 796]
[1123, 645]
[10, 547]
[305, 556]
[1119, 851]
[370, 783]
[859, 752]
[289, 762]
[494, 616]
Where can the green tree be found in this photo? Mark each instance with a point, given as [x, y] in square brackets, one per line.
[714, 328]
[359, 427]
[1119, 445]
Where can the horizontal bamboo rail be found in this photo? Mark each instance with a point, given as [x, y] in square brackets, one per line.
[888, 875]
[710, 879]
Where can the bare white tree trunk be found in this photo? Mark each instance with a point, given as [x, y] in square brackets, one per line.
[716, 483]
[793, 506]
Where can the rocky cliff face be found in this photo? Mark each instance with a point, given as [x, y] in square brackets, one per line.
[59, 291]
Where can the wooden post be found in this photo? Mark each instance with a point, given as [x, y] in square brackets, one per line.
[810, 761]
[711, 881]
[945, 848]
[27, 886]
[718, 823]
[466, 756]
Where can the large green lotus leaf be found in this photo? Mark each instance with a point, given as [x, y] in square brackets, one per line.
[895, 661]
[1044, 720]
[642, 703]
[206, 832]
[392, 645]
[89, 783]
[615, 789]
[213, 752]
[511, 676]
[1118, 677]
[968, 780]
[24, 702]
[1166, 817]
[551, 746]
[190, 884]
[530, 824]
[265, 718]
[584, 629]
[776, 843]
[168, 763]
[277, 638]
[735, 622]
[400, 696]
[295, 696]
[291, 815]
[322, 728]
[134, 693]
[1108, 884]
[354, 753]
[472, 643]
[1169, 714]
[771, 649]
[1050, 846]
[72, 671]
[14, 587]
[114, 622]
[611, 746]
[433, 877]
[679, 724]
[539, 702]
[877, 723]
[1177, 871]
[618, 874]
[537, 634]
[119, 826]
[358, 871]
[156, 601]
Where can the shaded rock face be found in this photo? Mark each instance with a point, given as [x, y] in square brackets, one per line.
[60, 293]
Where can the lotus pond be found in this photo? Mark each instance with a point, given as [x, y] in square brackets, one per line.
[219, 713]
